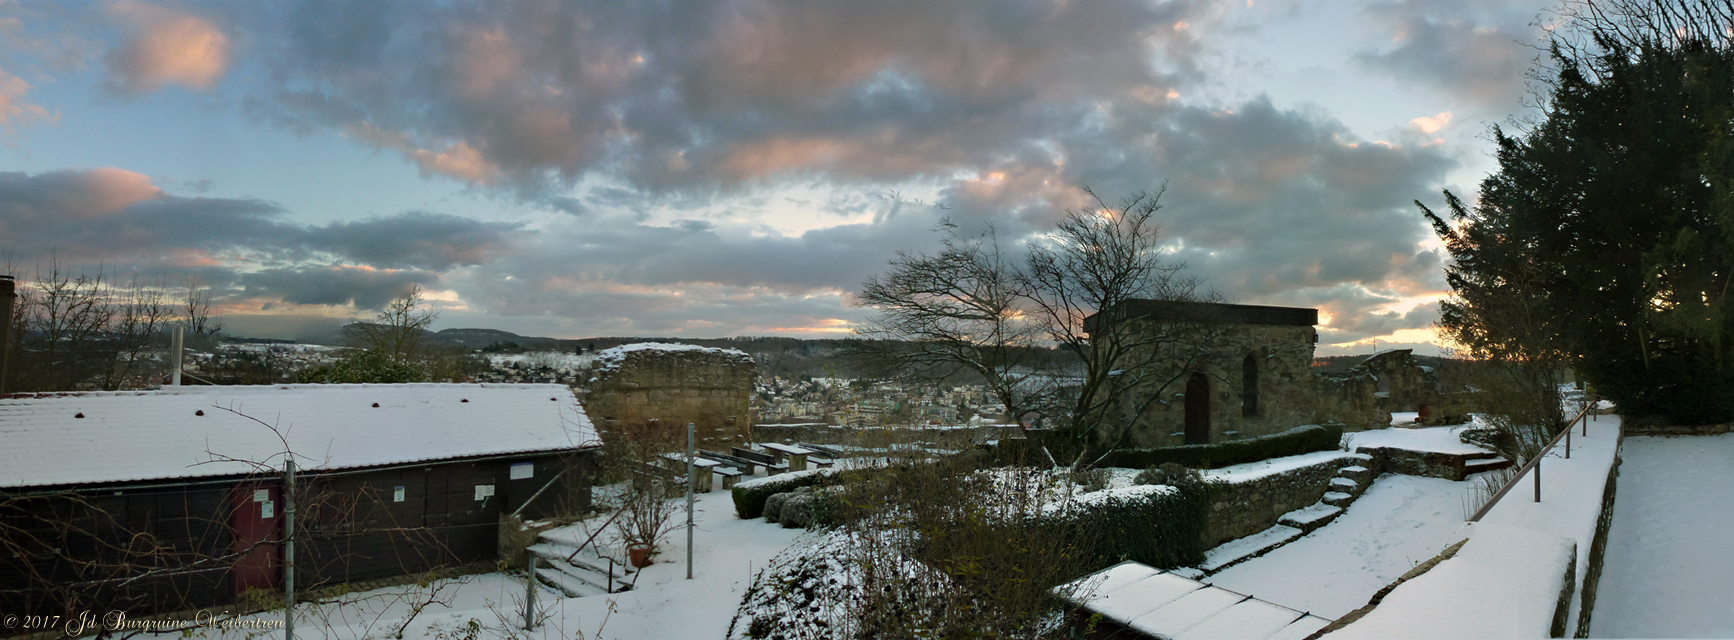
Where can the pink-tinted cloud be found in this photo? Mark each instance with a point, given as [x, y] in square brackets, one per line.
[166, 47]
[14, 109]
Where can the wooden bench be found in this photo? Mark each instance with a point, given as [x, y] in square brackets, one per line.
[828, 451]
[702, 469]
[771, 464]
[741, 464]
[796, 456]
[731, 476]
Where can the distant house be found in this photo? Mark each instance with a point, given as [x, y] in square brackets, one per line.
[393, 479]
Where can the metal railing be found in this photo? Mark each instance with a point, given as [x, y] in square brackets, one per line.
[1584, 415]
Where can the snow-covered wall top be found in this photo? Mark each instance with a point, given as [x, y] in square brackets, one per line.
[608, 360]
[186, 432]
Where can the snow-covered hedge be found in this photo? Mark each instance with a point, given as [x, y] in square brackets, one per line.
[1296, 441]
[750, 496]
[1158, 525]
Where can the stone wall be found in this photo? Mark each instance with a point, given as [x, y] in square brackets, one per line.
[1281, 354]
[1247, 507]
[1450, 466]
[675, 384]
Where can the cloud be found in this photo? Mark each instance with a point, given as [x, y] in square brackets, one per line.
[528, 94]
[1432, 124]
[1477, 50]
[413, 240]
[15, 110]
[166, 47]
[363, 287]
[116, 219]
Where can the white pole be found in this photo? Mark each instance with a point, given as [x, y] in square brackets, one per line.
[177, 349]
[288, 541]
[691, 477]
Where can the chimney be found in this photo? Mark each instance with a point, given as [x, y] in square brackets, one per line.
[8, 294]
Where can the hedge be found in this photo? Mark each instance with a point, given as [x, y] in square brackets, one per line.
[1156, 525]
[1293, 442]
[750, 495]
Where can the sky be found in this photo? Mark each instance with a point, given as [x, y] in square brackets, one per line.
[711, 169]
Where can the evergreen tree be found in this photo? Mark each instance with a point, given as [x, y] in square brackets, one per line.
[1607, 235]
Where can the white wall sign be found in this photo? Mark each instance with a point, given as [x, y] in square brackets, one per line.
[522, 470]
[261, 495]
[267, 509]
[484, 491]
[397, 494]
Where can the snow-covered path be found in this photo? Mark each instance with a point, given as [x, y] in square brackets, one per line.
[1398, 523]
[1669, 568]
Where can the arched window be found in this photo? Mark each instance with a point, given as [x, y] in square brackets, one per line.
[1249, 385]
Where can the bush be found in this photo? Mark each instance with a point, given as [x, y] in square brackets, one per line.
[750, 496]
[1295, 441]
[1158, 525]
[774, 505]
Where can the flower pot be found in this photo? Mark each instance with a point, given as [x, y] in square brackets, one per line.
[639, 555]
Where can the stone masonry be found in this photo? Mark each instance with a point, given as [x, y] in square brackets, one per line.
[1247, 507]
[675, 384]
[1255, 375]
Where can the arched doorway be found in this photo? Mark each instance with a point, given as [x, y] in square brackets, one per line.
[1249, 386]
[1198, 409]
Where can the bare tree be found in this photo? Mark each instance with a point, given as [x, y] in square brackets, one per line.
[139, 315]
[396, 332]
[971, 308]
[960, 310]
[1104, 264]
[196, 308]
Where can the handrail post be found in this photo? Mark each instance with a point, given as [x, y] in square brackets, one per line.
[1537, 471]
[1568, 442]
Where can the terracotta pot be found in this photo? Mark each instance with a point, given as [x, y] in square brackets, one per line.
[639, 555]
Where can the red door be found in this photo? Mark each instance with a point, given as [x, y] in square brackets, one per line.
[257, 519]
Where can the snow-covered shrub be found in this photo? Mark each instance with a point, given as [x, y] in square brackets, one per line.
[774, 505]
[1158, 525]
[750, 496]
[1293, 442]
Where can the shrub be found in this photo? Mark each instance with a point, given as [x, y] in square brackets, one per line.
[774, 505]
[1158, 525]
[1296, 441]
[750, 496]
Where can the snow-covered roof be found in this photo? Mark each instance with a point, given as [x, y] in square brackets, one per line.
[608, 359]
[120, 436]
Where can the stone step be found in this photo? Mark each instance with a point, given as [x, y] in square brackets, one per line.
[598, 581]
[561, 550]
[1240, 550]
[1485, 464]
[1361, 458]
[1345, 485]
[570, 585]
[1357, 473]
[1484, 455]
[1338, 499]
[1310, 518]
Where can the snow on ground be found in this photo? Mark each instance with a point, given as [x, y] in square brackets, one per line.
[1669, 568]
[550, 359]
[664, 604]
[1437, 439]
[1398, 523]
[1255, 470]
[1504, 583]
[1571, 495]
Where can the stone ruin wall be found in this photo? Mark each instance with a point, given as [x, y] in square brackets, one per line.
[1285, 386]
[709, 388]
[1290, 393]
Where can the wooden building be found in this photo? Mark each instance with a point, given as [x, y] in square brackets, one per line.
[174, 499]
